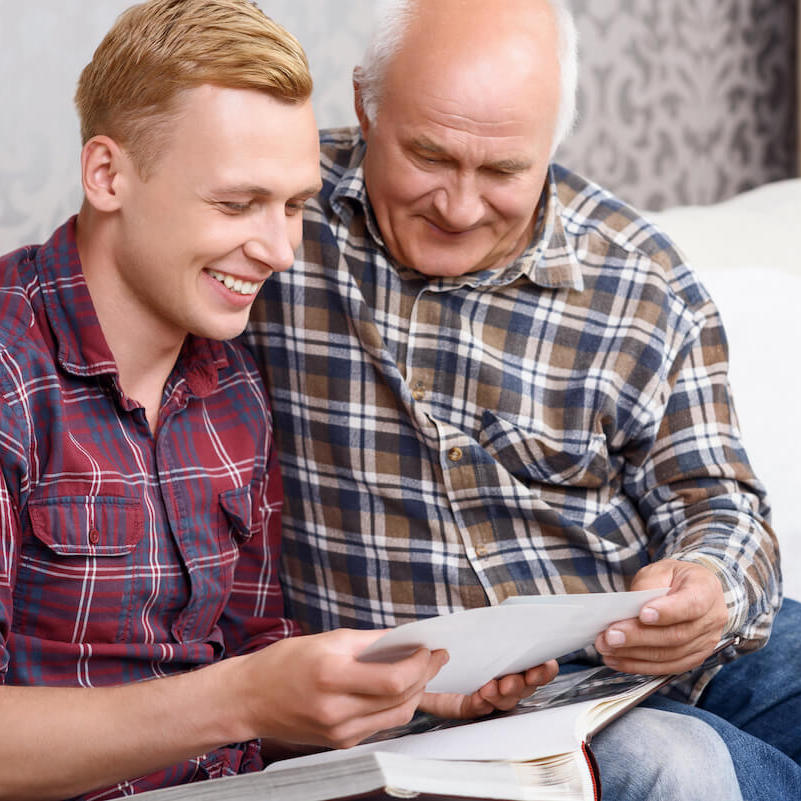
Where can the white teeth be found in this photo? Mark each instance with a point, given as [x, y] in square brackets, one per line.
[234, 284]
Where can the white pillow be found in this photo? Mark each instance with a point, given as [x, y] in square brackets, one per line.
[746, 251]
[756, 229]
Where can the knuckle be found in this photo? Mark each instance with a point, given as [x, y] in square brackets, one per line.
[328, 714]
[396, 682]
[343, 737]
[406, 711]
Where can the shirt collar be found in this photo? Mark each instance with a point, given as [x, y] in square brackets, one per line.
[549, 261]
[82, 346]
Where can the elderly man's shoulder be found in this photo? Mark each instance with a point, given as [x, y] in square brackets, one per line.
[602, 223]
[339, 147]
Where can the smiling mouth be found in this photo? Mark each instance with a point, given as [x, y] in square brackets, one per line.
[234, 284]
[449, 232]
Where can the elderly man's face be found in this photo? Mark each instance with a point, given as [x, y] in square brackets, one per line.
[457, 156]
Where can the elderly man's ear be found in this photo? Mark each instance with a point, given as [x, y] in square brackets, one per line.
[103, 164]
[358, 105]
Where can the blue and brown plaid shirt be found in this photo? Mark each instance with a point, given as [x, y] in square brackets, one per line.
[549, 427]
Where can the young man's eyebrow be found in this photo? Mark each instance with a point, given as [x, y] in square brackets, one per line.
[262, 191]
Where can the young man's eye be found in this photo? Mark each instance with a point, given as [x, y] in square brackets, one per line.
[234, 207]
[294, 207]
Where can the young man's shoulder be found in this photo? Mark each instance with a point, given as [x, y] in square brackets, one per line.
[20, 287]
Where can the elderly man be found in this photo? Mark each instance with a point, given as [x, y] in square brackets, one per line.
[491, 377]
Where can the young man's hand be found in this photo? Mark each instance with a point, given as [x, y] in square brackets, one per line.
[313, 689]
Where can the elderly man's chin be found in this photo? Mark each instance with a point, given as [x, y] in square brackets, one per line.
[439, 253]
[451, 260]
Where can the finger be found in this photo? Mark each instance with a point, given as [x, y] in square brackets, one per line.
[664, 657]
[348, 716]
[358, 727]
[542, 674]
[455, 706]
[394, 679]
[695, 592]
[655, 575]
[683, 606]
[628, 635]
[663, 666]
[513, 685]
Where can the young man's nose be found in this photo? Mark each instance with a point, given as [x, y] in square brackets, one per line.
[271, 243]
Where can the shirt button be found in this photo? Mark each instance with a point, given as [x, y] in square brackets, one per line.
[455, 454]
[481, 550]
[419, 391]
[94, 536]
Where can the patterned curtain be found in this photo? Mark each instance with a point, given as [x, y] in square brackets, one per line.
[684, 101]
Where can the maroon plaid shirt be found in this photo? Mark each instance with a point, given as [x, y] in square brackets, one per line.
[126, 556]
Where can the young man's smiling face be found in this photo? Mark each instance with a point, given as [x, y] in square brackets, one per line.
[219, 211]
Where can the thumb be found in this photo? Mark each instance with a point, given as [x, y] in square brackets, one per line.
[655, 576]
[651, 577]
[439, 659]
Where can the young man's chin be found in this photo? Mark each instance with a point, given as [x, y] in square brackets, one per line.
[224, 329]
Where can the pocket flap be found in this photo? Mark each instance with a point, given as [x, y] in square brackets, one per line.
[236, 504]
[89, 525]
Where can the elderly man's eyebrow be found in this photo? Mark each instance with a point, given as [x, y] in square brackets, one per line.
[424, 145]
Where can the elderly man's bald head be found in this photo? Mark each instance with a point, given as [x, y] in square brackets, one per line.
[414, 28]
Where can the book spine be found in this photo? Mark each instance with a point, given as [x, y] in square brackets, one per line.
[595, 774]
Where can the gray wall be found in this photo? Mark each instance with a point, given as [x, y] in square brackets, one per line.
[681, 100]
[44, 44]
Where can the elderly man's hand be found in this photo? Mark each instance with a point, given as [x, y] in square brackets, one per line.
[503, 694]
[673, 633]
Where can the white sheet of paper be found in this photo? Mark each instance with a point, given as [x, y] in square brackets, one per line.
[492, 641]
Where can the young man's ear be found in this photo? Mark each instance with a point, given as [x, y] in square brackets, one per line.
[358, 105]
[102, 159]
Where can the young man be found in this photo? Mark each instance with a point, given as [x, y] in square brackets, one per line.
[140, 497]
[490, 377]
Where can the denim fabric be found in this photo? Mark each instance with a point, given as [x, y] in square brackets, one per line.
[655, 755]
[753, 705]
[761, 693]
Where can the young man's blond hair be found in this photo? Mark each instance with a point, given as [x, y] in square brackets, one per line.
[158, 49]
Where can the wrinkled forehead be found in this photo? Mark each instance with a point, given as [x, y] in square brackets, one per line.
[508, 69]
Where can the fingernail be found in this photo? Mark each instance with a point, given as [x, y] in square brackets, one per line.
[615, 637]
[649, 615]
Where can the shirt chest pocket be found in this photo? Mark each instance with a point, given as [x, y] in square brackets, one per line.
[79, 568]
[234, 519]
[537, 455]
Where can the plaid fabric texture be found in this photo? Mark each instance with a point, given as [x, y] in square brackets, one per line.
[551, 427]
[126, 557]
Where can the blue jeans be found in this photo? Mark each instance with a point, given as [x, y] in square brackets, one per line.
[657, 755]
[753, 705]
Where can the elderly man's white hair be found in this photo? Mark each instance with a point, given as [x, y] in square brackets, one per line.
[391, 20]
